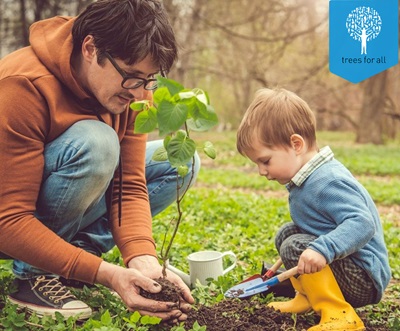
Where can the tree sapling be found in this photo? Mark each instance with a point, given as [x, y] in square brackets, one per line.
[175, 112]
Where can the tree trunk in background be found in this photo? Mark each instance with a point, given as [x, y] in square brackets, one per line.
[24, 24]
[186, 20]
[39, 6]
[80, 6]
[370, 123]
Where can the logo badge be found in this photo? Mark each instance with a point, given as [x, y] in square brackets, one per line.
[363, 37]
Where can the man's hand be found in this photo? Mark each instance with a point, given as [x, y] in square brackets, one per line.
[128, 282]
[310, 261]
[150, 267]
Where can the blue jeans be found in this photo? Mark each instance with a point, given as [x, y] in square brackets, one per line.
[79, 166]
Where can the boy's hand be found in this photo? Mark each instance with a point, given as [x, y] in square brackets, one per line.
[310, 261]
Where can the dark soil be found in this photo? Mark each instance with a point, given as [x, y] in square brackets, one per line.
[242, 315]
[169, 292]
[247, 315]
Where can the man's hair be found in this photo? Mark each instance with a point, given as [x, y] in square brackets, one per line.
[273, 117]
[129, 30]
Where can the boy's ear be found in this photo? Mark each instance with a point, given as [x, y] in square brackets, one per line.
[297, 142]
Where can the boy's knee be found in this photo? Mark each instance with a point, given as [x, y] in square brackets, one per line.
[292, 247]
[289, 253]
[284, 232]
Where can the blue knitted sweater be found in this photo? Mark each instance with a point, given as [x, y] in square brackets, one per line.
[332, 205]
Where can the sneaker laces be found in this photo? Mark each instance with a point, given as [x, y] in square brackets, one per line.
[53, 288]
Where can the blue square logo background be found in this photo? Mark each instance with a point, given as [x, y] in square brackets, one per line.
[351, 59]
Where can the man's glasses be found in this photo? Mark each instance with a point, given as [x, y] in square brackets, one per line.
[130, 81]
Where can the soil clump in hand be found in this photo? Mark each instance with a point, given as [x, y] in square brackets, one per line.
[169, 292]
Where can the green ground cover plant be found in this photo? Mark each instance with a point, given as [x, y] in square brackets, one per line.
[232, 208]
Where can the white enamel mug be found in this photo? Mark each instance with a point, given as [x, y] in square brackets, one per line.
[204, 265]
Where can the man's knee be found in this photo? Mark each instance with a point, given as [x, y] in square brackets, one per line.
[99, 142]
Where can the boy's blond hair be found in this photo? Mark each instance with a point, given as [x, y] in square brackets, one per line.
[273, 117]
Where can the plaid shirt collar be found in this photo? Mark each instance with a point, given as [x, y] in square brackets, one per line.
[324, 155]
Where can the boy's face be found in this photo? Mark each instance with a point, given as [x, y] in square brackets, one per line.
[275, 163]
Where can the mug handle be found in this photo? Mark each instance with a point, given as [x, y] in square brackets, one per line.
[230, 253]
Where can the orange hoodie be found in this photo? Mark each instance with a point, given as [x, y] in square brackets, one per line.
[40, 99]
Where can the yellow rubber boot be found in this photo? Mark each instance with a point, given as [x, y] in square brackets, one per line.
[299, 304]
[326, 299]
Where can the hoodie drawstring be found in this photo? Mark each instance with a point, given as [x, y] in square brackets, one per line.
[109, 192]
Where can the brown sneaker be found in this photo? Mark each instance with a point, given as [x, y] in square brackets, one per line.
[45, 295]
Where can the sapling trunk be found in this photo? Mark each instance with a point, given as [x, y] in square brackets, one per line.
[164, 252]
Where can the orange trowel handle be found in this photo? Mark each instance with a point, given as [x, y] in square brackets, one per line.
[271, 271]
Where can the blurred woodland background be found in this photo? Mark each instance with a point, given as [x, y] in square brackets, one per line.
[231, 48]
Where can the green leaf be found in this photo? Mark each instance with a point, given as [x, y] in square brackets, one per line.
[188, 97]
[166, 141]
[139, 105]
[146, 121]
[172, 86]
[197, 327]
[180, 150]
[195, 93]
[135, 317]
[150, 320]
[181, 134]
[162, 93]
[209, 150]
[183, 170]
[196, 108]
[186, 94]
[201, 96]
[171, 116]
[106, 318]
[203, 120]
[179, 328]
[160, 154]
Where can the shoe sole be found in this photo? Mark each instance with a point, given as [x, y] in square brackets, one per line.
[42, 311]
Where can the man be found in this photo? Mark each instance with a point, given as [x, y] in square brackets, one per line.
[66, 128]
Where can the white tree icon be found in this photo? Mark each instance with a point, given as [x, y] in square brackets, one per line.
[364, 24]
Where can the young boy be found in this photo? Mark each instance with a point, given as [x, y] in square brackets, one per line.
[336, 238]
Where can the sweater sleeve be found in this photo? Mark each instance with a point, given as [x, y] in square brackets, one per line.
[23, 131]
[346, 224]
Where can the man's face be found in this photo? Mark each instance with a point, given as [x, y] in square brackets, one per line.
[104, 81]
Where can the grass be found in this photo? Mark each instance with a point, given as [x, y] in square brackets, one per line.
[232, 208]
